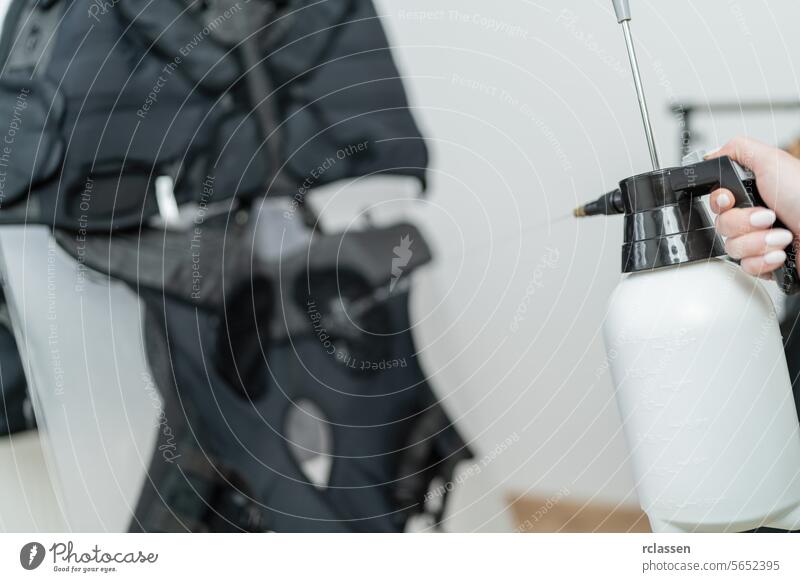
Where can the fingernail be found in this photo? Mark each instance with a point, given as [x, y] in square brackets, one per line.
[711, 153]
[762, 218]
[778, 238]
[774, 257]
[723, 200]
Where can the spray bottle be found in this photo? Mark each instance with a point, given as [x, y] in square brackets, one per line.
[696, 354]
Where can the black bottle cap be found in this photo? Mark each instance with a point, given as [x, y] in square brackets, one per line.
[663, 225]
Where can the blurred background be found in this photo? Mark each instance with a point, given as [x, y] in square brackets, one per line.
[529, 110]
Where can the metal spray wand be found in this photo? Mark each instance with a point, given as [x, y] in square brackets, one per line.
[611, 203]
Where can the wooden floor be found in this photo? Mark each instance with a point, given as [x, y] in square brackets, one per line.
[561, 514]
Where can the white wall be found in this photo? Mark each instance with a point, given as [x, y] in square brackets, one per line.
[529, 110]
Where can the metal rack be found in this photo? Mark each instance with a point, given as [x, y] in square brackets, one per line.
[690, 111]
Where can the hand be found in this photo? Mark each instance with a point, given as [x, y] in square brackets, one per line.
[749, 232]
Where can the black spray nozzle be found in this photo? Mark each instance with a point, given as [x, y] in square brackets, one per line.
[608, 203]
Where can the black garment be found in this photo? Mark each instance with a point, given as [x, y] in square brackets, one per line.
[15, 411]
[228, 465]
[229, 101]
[266, 353]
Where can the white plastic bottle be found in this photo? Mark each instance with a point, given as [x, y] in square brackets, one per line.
[705, 397]
[696, 353]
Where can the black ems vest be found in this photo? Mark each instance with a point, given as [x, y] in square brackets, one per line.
[292, 390]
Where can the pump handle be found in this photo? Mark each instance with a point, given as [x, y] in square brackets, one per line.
[703, 177]
[623, 10]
